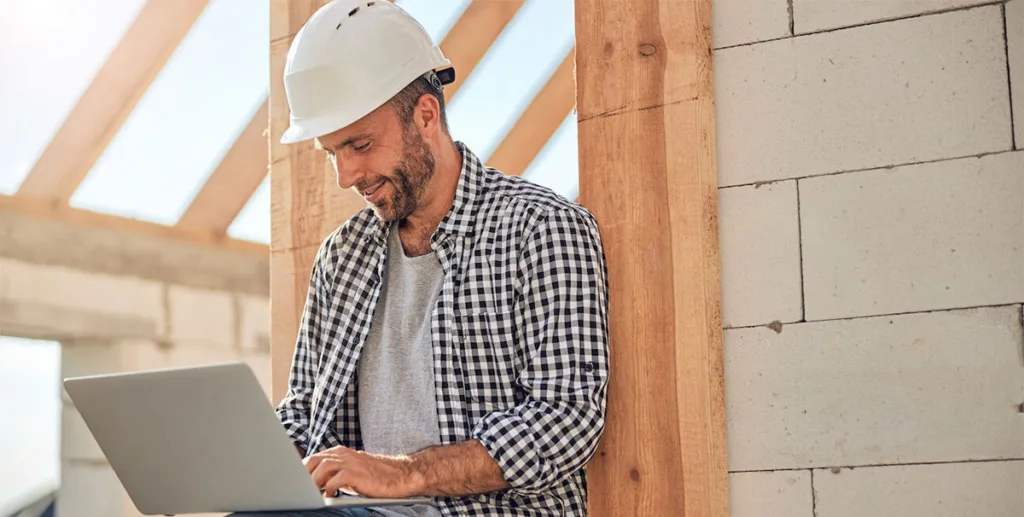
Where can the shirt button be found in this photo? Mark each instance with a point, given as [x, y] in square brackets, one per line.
[589, 367]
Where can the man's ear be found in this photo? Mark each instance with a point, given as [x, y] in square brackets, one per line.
[427, 115]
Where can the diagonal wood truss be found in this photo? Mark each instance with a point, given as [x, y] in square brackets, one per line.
[99, 114]
[468, 40]
[146, 47]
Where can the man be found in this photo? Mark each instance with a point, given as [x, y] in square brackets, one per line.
[454, 339]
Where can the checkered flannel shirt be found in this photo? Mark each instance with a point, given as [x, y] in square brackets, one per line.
[519, 337]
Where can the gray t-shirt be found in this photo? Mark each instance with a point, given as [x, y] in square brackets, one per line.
[397, 408]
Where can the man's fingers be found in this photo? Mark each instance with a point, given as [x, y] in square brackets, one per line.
[311, 462]
[326, 470]
[340, 481]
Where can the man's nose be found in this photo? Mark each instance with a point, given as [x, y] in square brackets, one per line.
[347, 173]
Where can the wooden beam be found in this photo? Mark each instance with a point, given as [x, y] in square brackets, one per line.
[284, 13]
[289, 281]
[540, 120]
[647, 171]
[97, 117]
[305, 203]
[113, 250]
[43, 210]
[234, 180]
[473, 34]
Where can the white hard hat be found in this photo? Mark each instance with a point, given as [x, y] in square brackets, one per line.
[350, 58]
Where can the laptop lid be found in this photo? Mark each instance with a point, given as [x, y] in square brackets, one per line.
[194, 440]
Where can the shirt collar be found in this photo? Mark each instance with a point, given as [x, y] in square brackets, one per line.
[461, 216]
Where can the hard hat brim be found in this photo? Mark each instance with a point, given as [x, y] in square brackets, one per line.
[310, 128]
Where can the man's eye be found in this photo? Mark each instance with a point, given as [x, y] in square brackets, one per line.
[362, 148]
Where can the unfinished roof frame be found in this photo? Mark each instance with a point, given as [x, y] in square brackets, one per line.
[145, 49]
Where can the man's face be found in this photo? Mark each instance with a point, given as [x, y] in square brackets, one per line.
[384, 161]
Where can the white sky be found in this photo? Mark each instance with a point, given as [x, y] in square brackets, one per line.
[30, 393]
[51, 49]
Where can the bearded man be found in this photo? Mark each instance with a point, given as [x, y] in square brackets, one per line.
[454, 341]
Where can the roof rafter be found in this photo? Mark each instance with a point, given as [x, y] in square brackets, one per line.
[473, 34]
[234, 180]
[538, 122]
[101, 111]
[40, 209]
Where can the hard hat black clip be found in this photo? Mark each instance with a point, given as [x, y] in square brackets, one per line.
[446, 75]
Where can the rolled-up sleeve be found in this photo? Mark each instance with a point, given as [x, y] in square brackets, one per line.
[562, 319]
[294, 409]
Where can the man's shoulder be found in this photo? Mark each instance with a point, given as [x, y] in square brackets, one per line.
[514, 199]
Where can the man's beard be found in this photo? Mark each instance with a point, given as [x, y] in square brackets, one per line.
[409, 178]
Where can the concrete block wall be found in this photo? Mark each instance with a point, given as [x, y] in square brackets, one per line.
[108, 323]
[872, 236]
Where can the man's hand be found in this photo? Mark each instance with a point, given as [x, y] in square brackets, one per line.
[445, 470]
[341, 468]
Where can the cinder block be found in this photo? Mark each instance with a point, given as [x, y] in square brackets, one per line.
[80, 358]
[140, 355]
[907, 91]
[771, 494]
[734, 22]
[201, 316]
[128, 355]
[88, 490]
[989, 489]
[760, 250]
[76, 441]
[89, 358]
[260, 364]
[144, 355]
[931, 236]
[816, 15]
[1015, 48]
[182, 355]
[68, 288]
[874, 391]
[92, 490]
[255, 324]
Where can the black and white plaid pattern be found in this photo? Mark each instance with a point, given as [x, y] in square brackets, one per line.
[519, 333]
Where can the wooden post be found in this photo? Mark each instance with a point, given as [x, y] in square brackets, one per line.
[647, 171]
[305, 203]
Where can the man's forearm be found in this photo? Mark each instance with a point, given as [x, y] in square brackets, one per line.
[456, 470]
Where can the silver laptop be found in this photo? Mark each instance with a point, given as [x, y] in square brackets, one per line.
[198, 440]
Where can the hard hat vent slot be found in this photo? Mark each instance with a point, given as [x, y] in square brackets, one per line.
[370, 4]
[350, 13]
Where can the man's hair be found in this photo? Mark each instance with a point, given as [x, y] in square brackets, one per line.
[405, 101]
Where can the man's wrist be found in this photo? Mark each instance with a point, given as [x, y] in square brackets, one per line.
[459, 469]
[416, 475]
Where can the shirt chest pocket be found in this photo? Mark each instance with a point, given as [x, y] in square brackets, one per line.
[487, 345]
